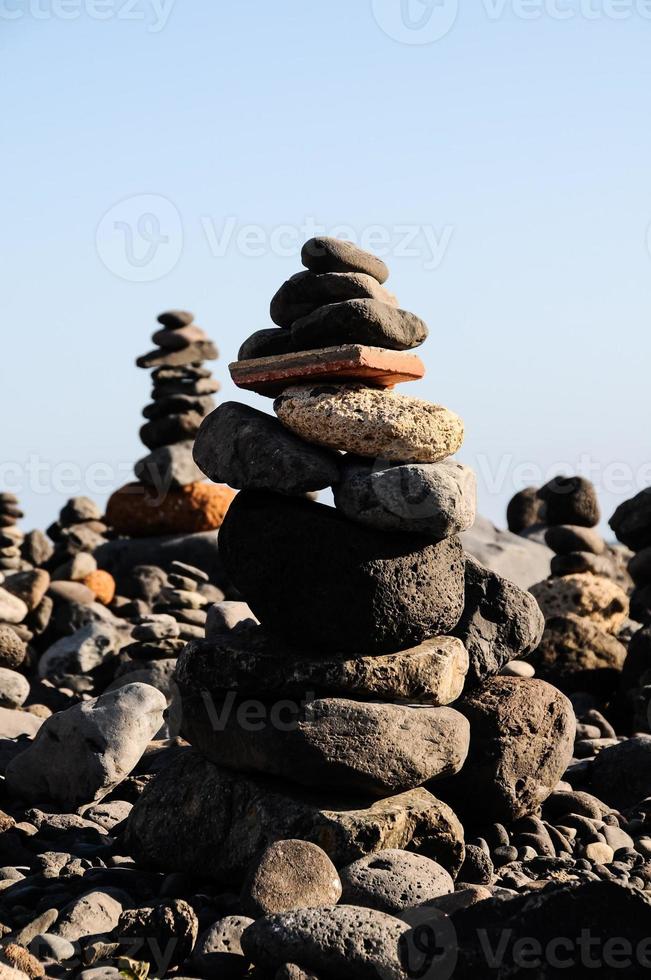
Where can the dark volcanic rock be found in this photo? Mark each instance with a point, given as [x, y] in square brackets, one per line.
[570, 500]
[631, 522]
[499, 622]
[353, 746]
[566, 538]
[522, 741]
[579, 562]
[266, 343]
[335, 941]
[304, 292]
[621, 774]
[249, 450]
[169, 429]
[249, 660]
[168, 467]
[120, 556]
[524, 510]
[342, 586]
[358, 321]
[393, 881]
[640, 567]
[577, 655]
[325, 254]
[198, 819]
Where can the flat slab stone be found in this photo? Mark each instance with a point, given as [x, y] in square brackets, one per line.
[376, 366]
[199, 819]
[252, 662]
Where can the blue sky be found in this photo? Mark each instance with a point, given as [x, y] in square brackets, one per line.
[172, 153]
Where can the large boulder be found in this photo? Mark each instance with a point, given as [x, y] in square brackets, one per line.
[330, 584]
[631, 522]
[594, 597]
[367, 747]
[500, 622]
[522, 740]
[82, 753]
[199, 819]
[249, 660]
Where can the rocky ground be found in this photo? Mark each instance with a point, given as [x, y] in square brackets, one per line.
[246, 734]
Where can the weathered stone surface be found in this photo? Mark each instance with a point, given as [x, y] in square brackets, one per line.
[169, 928]
[168, 467]
[82, 753]
[81, 652]
[268, 342]
[522, 741]
[499, 622]
[437, 499]
[143, 511]
[290, 874]
[631, 522]
[247, 449]
[170, 429]
[326, 254]
[358, 321]
[577, 655]
[91, 914]
[102, 585]
[343, 587]
[370, 422]
[222, 617]
[518, 559]
[344, 941]
[12, 609]
[570, 500]
[355, 746]
[352, 363]
[14, 688]
[597, 598]
[30, 586]
[15, 723]
[621, 774]
[253, 662]
[218, 952]
[566, 538]
[305, 292]
[525, 509]
[12, 649]
[640, 567]
[198, 350]
[393, 881]
[583, 562]
[198, 819]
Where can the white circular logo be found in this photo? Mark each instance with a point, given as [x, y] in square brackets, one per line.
[140, 239]
[416, 21]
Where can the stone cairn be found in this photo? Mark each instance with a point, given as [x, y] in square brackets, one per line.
[320, 708]
[169, 496]
[11, 537]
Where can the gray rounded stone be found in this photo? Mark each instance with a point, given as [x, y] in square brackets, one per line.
[247, 449]
[437, 499]
[305, 292]
[326, 254]
[290, 874]
[14, 688]
[566, 538]
[339, 941]
[393, 881]
[358, 321]
[218, 951]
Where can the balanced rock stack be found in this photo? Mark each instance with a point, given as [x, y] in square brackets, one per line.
[360, 678]
[631, 522]
[169, 497]
[11, 537]
[584, 605]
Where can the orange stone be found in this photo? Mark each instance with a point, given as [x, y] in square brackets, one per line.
[375, 366]
[102, 585]
[140, 511]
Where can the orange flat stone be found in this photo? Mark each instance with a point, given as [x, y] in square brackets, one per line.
[375, 366]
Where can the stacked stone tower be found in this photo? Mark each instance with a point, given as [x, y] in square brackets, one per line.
[359, 681]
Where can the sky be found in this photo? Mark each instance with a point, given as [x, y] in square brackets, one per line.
[176, 153]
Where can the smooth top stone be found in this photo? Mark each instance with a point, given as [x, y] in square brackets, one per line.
[179, 339]
[372, 423]
[327, 583]
[358, 321]
[567, 538]
[305, 292]
[631, 522]
[325, 254]
[291, 874]
[394, 880]
[570, 500]
[174, 319]
[247, 449]
[423, 498]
